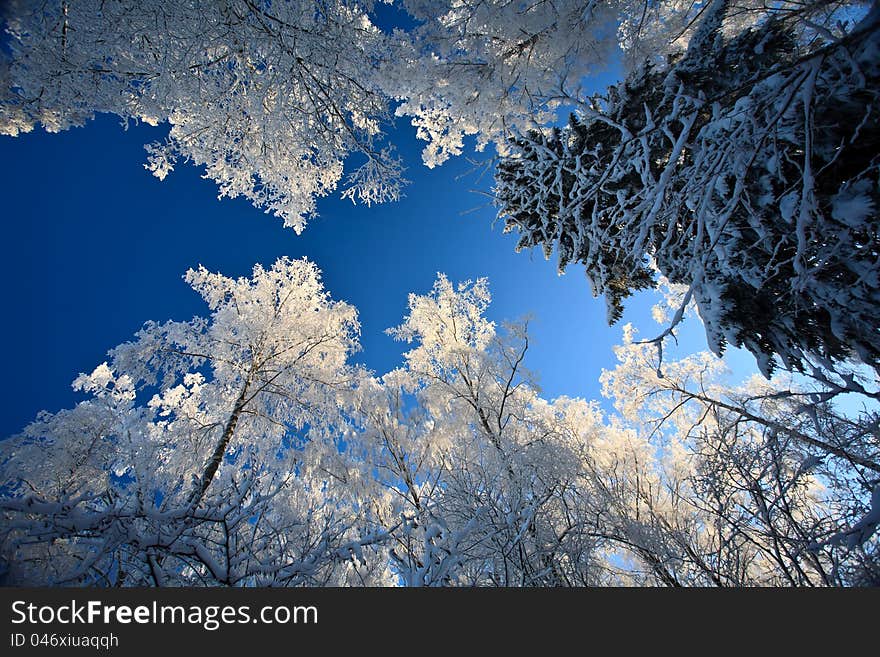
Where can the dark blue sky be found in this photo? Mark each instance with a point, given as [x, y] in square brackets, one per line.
[95, 246]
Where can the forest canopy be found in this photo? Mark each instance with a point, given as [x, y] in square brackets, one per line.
[734, 168]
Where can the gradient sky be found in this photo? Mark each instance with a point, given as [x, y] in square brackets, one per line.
[95, 246]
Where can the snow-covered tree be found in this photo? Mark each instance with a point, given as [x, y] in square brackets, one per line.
[491, 474]
[243, 449]
[760, 484]
[696, 483]
[745, 168]
[190, 462]
[488, 66]
[271, 97]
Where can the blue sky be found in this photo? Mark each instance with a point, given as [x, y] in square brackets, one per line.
[95, 246]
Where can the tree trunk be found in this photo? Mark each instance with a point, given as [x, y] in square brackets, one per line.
[217, 457]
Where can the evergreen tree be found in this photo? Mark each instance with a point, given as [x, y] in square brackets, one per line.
[745, 169]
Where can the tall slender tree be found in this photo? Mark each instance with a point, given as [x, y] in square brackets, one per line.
[208, 480]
